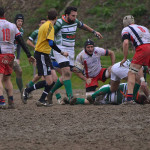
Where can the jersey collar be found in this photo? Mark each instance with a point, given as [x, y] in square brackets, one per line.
[63, 17]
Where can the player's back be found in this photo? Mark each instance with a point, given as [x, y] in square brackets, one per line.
[8, 31]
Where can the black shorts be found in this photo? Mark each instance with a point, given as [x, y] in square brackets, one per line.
[43, 63]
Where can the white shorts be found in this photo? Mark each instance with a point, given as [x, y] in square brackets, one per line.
[119, 72]
[60, 58]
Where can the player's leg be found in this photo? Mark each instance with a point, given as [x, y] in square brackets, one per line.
[7, 82]
[17, 69]
[2, 100]
[134, 68]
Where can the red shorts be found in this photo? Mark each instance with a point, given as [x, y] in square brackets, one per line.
[95, 80]
[142, 55]
[6, 63]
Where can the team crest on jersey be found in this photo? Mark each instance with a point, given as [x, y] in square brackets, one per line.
[95, 52]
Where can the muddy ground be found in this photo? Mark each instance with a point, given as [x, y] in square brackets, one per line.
[74, 127]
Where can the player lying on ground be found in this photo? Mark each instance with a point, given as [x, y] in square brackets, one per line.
[105, 96]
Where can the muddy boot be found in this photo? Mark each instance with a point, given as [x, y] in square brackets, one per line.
[11, 104]
[44, 103]
[60, 101]
[65, 100]
[73, 100]
[90, 99]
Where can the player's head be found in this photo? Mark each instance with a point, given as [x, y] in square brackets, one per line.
[19, 20]
[141, 99]
[52, 14]
[42, 21]
[2, 12]
[127, 20]
[71, 14]
[89, 47]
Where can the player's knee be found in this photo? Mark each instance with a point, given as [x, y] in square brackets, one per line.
[67, 74]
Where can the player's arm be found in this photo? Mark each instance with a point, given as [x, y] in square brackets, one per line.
[87, 28]
[30, 43]
[112, 56]
[54, 46]
[20, 40]
[125, 45]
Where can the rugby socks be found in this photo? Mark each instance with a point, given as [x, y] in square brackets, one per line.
[57, 85]
[38, 85]
[19, 83]
[80, 101]
[46, 91]
[58, 96]
[135, 91]
[2, 100]
[129, 97]
[101, 91]
[11, 99]
[31, 83]
[68, 87]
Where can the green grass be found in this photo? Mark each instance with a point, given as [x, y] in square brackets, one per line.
[77, 83]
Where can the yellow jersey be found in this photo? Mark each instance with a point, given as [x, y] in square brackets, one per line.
[46, 32]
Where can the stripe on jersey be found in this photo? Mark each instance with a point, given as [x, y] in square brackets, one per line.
[136, 34]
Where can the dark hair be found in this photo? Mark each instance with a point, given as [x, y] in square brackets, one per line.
[52, 14]
[19, 16]
[141, 99]
[2, 12]
[42, 19]
[69, 9]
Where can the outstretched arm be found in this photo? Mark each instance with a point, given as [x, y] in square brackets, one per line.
[25, 48]
[87, 28]
[30, 43]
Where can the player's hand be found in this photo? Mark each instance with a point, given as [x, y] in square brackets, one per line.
[65, 54]
[143, 84]
[32, 60]
[122, 62]
[97, 34]
[88, 80]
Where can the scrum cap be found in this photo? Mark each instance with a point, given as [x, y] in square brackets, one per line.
[19, 16]
[88, 42]
[127, 20]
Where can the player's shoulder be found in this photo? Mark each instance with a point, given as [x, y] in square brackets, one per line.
[82, 52]
[98, 49]
[60, 21]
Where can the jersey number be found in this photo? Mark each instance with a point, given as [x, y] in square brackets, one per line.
[6, 34]
[141, 29]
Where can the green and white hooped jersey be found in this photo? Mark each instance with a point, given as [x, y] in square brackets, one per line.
[119, 96]
[65, 33]
[34, 36]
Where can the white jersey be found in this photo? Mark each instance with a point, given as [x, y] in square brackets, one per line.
[8, 31]
[137, 34]
[92, 64]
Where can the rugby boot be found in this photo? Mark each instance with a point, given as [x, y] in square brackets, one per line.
[11, 104]
[25, 96]
[73, 100]
[2, 103]
[44, 103]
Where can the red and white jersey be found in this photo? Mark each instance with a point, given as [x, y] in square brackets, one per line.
[8, 31]
[92, 64]
[137, 34]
